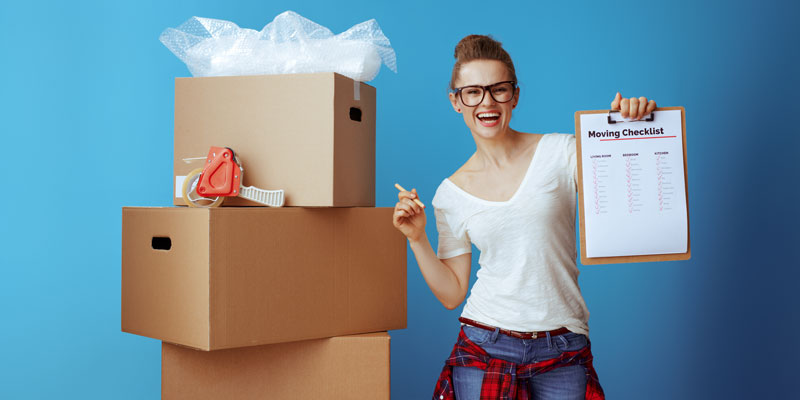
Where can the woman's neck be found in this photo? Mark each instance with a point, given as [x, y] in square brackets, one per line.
[500, 150]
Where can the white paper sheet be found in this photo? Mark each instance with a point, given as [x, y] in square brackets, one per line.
[634, 195]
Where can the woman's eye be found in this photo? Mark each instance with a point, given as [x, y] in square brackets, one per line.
[473, 91]
[500, 90]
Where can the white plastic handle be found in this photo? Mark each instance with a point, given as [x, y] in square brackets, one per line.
[272, 198]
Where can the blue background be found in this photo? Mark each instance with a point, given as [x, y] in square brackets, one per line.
[87, 117]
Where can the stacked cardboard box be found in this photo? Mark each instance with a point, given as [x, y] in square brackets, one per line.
[253, 302]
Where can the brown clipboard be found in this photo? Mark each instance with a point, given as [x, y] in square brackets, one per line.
[628, 259]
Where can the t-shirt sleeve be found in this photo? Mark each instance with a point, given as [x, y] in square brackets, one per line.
[572, 160]
[449, 244]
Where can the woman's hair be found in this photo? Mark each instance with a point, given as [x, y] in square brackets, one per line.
[480, 47]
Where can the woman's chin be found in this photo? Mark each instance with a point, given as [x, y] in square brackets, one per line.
[487, 133]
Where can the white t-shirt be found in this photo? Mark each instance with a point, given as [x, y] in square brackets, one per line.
[528, 277]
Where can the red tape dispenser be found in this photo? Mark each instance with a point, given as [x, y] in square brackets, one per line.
[222, 177]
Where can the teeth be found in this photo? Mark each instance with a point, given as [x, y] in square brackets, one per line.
[488, 115]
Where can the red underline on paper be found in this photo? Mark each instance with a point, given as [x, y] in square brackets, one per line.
[633, 138]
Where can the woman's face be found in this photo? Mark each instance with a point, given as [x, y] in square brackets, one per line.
[489, 117]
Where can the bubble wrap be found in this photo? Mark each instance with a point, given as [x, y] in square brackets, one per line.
[288, 44]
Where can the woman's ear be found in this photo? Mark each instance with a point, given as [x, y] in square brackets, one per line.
[516, 97]
[454, 102]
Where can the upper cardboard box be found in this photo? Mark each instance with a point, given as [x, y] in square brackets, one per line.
[312, 135]
[233, 277]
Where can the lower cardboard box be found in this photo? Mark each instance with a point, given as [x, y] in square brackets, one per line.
[344, 367]
[234, 277]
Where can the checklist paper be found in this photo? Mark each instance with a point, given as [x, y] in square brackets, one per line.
[634, 193]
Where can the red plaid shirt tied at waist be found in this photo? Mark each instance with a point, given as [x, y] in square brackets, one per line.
[506, 380]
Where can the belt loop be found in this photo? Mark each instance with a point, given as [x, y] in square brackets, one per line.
[493, 335]
[549, 341]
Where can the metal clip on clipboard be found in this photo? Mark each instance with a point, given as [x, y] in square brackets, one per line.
[611, 121]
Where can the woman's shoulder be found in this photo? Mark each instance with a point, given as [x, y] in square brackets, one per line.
[448, 194]
[553, 137]
[460, 176]
[557, 144]
[443, 198]
[563, 138]
[565, 142]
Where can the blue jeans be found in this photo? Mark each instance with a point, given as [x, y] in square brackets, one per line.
[565, 383]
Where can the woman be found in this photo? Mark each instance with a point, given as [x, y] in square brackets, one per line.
[514, 199]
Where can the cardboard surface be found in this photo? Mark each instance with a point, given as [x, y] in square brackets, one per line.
[345, 367]
[235, 277]
[292, 132]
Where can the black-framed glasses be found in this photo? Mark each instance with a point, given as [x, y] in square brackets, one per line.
[501, 92]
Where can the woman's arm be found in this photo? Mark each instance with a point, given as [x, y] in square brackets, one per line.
[448, 279]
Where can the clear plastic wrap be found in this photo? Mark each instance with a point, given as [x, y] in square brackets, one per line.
[288, 44]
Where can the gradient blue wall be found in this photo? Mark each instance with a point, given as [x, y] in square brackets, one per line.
[86, 116]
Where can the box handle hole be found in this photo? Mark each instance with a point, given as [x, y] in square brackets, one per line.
[355, 114]
[161, 243]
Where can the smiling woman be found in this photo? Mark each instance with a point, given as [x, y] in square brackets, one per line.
[514, 198]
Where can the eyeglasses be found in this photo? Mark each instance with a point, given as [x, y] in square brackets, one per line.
[501, 92]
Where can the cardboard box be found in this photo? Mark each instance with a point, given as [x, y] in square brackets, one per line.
[346, 367]
[312, 135]
[233, 277]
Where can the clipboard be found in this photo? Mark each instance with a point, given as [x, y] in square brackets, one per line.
[614, 120]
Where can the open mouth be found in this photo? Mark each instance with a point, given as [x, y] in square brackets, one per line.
[488, 118]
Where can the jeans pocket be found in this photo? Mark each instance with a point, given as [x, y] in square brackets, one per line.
[476, 335]
[570, 342]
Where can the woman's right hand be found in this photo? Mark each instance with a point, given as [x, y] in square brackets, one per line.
[409, 217]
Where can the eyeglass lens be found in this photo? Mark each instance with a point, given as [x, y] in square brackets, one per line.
[473, 95]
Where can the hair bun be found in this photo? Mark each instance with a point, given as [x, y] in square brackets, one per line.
[480, 47]
[471, 46]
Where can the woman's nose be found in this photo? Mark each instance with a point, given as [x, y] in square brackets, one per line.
[487, 98]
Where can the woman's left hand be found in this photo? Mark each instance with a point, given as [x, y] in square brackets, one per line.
[633, 108]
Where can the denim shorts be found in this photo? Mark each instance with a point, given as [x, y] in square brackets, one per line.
[565, 383]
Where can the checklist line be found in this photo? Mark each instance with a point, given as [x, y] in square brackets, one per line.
[634, 138]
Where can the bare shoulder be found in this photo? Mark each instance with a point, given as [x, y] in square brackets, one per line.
[531, 139]
[529, 142]
[462, 175]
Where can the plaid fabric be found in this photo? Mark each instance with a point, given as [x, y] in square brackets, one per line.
[505, 380]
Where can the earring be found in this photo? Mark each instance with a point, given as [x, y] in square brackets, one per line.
[459, 110]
